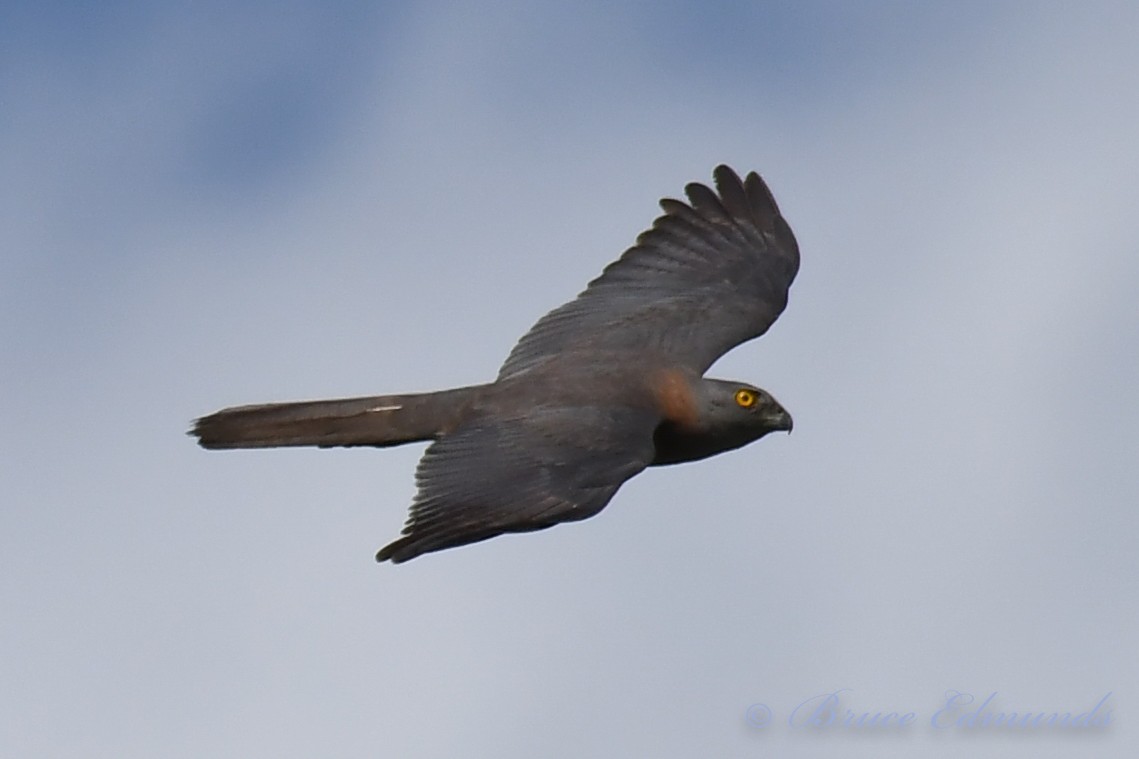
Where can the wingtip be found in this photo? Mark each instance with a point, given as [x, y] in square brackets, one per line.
[394, 552]
[725, 174]
[759, 193]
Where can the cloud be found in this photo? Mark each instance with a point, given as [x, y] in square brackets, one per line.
[213, 206]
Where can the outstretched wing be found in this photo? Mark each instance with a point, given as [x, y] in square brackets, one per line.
[708, 275]
[520, 474]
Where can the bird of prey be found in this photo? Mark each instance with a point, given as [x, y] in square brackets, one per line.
[599, 389]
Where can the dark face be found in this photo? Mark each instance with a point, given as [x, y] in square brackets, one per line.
[732, 414]
[734, 405]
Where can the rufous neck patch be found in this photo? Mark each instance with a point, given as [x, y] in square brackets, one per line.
[675, 398]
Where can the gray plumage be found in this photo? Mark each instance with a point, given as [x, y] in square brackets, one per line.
[599, 389]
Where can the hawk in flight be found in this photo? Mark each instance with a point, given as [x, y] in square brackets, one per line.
[600, 388]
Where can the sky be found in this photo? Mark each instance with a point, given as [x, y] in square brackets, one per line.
[208, 204]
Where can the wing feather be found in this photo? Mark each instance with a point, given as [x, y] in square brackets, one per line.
[708, 275]
[521, 474]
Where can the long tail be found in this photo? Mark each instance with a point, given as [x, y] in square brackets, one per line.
[380, 421]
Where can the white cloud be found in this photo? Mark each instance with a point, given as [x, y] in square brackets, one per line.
[956, 353]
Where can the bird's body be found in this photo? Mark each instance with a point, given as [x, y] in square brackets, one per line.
[598, 390]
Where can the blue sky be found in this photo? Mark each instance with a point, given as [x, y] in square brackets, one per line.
[206, 205]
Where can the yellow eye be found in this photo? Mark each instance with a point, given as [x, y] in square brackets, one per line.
[745, 398]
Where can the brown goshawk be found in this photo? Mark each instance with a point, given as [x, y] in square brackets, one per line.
[599, 389]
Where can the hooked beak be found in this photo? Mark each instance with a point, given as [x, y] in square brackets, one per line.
[781, 420]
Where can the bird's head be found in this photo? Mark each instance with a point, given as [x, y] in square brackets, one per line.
[730, 406]
[726, 415]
